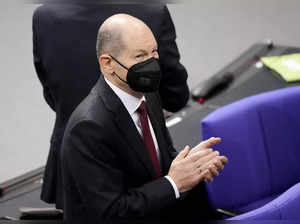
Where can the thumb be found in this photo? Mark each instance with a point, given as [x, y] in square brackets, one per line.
[210, 142]
[183, 153]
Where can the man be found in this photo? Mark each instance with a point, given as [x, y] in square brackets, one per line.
[117, 156]
[65, 61]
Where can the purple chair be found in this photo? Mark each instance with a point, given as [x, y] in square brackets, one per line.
[261, 138]
[286, 206]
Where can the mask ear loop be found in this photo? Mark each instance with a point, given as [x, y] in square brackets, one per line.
[119, 62]
[121, 78]
[122, 66]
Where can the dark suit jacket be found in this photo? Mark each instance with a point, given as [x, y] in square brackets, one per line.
[107, 172]
[64, 40]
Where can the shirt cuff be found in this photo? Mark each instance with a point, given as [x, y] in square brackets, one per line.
[177, 195]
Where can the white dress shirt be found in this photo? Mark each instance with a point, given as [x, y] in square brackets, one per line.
[132, 103]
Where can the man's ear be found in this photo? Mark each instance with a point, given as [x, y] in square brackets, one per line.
[105, 63]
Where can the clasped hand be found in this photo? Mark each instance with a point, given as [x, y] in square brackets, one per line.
[200, 163]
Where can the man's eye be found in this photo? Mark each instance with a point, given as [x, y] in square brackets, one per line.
[138, 56]
[154, 51]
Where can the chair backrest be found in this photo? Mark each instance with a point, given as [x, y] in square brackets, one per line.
[261, 138]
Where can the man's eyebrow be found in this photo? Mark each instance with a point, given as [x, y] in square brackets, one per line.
[141, 50]
[144, 51]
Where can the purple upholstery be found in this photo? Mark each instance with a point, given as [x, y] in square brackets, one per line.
[256, 204]
[261, 138]
[286, 206]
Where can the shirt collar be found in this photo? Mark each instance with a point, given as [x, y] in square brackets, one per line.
[130, 102]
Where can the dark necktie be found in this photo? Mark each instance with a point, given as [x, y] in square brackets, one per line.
[148, 140]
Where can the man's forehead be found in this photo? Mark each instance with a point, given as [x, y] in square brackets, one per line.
[138, 38]
[143, 45]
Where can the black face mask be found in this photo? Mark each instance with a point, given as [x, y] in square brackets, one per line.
[144, 76]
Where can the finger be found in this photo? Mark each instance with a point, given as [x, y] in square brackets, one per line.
[208, 177]
[213, 170]
[203, 175]
[210, 180]
[201, 145]
[207, 164]
[183, 153]
[221, 167]
[209, 142]
[219, 164]
[206, 160]
[195, 155]
[224, 159]
[198, 149]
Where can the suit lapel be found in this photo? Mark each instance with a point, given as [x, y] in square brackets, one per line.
[125, 124]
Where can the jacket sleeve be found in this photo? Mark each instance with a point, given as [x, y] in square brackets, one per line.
[37, 60]
[100, 181]
[173, 90]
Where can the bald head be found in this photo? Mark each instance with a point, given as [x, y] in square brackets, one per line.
[115, 33]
